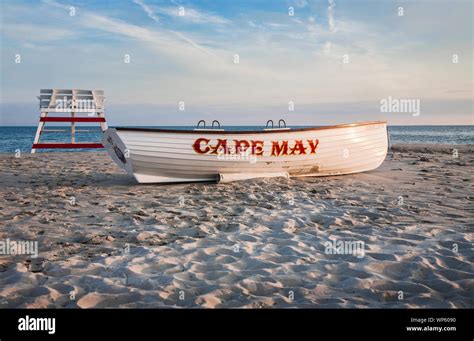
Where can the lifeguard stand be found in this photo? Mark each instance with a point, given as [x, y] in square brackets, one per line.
[89, 104]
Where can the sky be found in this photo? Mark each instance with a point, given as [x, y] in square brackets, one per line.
[242, 62]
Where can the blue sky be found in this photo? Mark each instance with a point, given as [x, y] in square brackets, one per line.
[282, 59]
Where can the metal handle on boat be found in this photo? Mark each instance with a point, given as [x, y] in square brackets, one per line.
[203, 122]
[218, 124]
[268, 123]
[279, 123]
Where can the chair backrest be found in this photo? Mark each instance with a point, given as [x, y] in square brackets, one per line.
[71, 100]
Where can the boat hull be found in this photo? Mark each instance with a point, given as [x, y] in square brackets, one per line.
[160, 156]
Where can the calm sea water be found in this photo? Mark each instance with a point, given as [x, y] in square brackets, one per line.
[13, 138]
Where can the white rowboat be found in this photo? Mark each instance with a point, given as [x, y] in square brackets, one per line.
[168, 155]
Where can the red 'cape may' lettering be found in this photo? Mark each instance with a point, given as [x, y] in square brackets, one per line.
[282, 148]
[257, 147]
[241, 146]
[278, 150]
[253, 147]
[298, 147]
[220, 147]
[313, 146]
[197, 146]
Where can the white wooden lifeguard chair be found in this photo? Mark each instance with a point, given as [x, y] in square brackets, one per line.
[89, 104]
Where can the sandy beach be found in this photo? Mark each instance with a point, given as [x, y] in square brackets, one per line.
[105, 241]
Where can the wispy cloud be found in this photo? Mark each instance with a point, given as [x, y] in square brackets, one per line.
[147, 10]
[157, 40]
[33, 34]
[300, 3]
[55, 4]
[192, 15]
[331, 10]
[192, 42]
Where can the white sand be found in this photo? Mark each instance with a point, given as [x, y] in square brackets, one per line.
[257, 243]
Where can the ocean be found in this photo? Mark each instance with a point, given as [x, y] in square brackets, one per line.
[21, 138]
